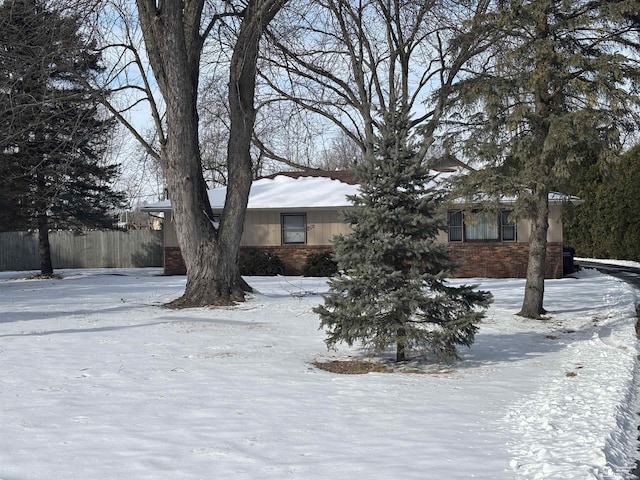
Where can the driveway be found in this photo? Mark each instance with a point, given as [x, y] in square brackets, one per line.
[630, 275]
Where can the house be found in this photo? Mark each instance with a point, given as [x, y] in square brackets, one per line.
[294, 214]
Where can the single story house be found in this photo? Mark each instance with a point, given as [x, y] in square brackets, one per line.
[294, 214]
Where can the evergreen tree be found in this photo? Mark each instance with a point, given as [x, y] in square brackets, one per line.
[607, 225]
[392, 288]
[558, 88]
[53, 133]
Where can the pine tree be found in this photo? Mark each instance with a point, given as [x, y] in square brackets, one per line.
[558, 87]
[392, 288]
[53, 134]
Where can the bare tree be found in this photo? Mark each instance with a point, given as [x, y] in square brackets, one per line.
[290, 129]
[349, 61]
[215, 131]
[162, 75]
[215, 127]
[341, 153]
[175, 33]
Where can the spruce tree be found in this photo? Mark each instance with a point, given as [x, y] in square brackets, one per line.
[53, 134]
[392, 288]
[558, 89]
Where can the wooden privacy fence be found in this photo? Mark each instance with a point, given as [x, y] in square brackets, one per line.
[98, 249]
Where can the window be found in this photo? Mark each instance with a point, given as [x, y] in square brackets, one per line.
[294, 228]
[455, 226]
[479, 225]
[508, 227]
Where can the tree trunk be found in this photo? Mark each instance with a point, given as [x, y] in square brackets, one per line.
[401, 334]
[211, 257]
[214, 282]
[242, 80]
[173, 41]
[534, 287]
[44, 247]
[208, 281]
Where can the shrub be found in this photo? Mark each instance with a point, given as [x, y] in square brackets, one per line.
[260, 262]
[320, 265]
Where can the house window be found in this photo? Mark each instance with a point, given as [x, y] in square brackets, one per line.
[479, 225]
[294, 228]
[508, 226]
[455, 226]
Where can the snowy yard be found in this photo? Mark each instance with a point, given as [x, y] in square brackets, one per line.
[98, 382]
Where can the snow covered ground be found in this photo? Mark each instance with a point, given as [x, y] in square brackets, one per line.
[98, 382]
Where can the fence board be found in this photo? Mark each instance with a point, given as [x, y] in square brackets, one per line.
[99, 249]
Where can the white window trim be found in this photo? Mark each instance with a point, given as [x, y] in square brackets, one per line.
[302, 230]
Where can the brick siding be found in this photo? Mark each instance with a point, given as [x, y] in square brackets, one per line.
[501, 259]
[478, 259]
[173, 262]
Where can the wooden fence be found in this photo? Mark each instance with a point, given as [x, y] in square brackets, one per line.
[99, 249]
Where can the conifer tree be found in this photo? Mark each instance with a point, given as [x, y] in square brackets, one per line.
[607, 224]
[559, 86]
[52, 133]
[392, 288]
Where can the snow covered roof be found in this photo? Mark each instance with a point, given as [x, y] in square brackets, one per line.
[557, 197]
[554, 198]
[286, 191]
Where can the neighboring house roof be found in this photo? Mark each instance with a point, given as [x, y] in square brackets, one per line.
[309, 189]
[449, 163]
[345, 176]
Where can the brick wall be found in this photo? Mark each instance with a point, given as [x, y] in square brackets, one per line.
[479, 259]
[501, 259]
[173, 261]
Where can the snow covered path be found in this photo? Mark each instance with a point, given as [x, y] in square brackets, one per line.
[99, 382]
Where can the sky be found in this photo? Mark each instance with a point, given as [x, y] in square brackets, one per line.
[99, 381]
